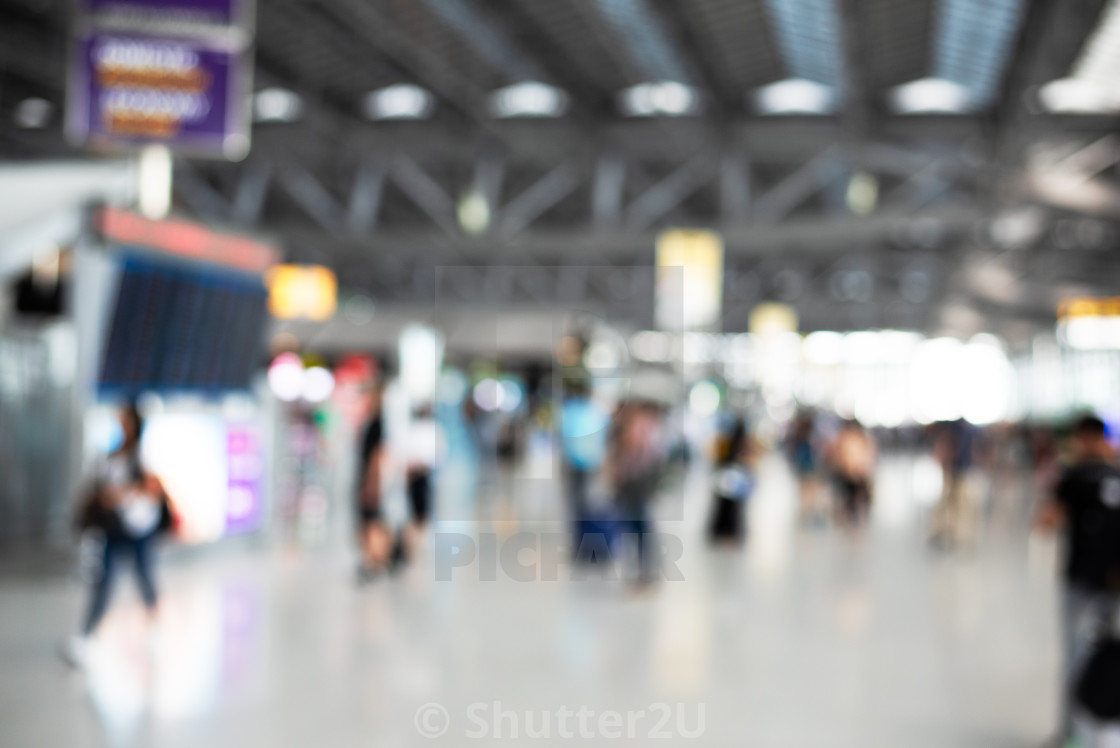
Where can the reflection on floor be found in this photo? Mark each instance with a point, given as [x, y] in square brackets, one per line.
[809, 637]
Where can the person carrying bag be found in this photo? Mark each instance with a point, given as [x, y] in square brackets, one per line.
[124, 512]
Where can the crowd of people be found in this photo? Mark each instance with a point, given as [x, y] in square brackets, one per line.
[615, 459]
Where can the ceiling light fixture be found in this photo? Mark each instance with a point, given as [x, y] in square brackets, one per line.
[400, 101]
[474, 212]
[1078, 96]
[930, 96]
[528, 99]
[1093, 86]
[662, 98]
[276, 105]
[33, 113]
[795, 96]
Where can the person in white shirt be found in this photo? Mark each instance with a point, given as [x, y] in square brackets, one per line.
[128, 509]
[423, 447]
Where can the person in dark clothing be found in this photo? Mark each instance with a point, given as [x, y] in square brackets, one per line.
[1086, 506]
[804, 454]
[127, 509]
[954, 521]
[732, 485]
[374, 536]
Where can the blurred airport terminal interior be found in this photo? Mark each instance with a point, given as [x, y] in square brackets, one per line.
[409, 372]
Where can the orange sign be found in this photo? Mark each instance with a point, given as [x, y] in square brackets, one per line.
[302, 292]
[1088, 306]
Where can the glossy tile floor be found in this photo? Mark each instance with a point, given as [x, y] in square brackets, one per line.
[808, 637]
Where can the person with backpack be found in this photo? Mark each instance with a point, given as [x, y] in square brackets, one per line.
[1086, 507]
[584, 426]
[127, 509]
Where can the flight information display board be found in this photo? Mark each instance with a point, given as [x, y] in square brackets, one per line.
[181, 327]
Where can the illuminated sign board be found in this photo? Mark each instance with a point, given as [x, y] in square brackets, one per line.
[184, 93]
[689, 280]
[302, 292]
[213, 472]
[1088, 323]
[169, 72]
[1088, 306]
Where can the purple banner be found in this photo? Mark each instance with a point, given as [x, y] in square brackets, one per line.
[132, 89]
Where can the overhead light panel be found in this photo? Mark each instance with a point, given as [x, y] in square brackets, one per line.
[795, 96]
[930, 96]
[528, 99]
[973, 43]
[1093, 86]
[662, 98]
[276, 105]
[400, 101]
[1078, 96]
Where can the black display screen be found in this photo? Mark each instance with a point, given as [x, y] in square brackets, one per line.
[183, 327]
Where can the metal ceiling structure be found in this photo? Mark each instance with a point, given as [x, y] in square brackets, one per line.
[982, 219]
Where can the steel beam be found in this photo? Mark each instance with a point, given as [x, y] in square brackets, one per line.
[425, 192]
[314, 198]
[252, 189]
[537, 199]
[365, 198]
[669, 192]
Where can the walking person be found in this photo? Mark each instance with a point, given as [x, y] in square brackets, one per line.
[374, 536]
[424, 448]
[633, 469]
[954, 519]
[804, 456]
[732, 484]
[1085, 506]
[584, 426]
[852, 455]
[127, 510]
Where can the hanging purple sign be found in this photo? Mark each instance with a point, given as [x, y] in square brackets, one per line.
[133, 89]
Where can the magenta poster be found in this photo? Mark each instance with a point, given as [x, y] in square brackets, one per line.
[244, 504]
